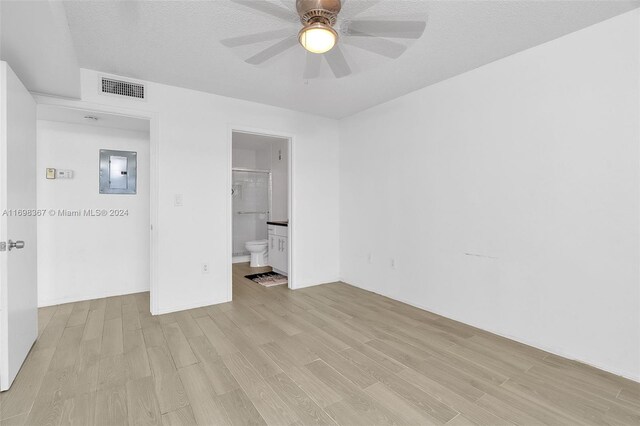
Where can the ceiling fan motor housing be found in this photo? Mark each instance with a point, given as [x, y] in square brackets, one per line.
[321, 11]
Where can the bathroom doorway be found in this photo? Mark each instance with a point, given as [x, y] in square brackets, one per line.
[260, 210]
[251, 194]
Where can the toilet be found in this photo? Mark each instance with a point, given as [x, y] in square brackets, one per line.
[258, 250]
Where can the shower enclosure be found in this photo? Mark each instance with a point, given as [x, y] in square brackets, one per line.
[251, 195]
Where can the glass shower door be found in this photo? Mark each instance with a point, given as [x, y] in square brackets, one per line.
[251, 193]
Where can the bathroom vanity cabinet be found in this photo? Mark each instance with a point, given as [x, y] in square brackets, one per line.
[279, 247]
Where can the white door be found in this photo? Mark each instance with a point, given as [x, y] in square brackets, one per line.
[18, 285]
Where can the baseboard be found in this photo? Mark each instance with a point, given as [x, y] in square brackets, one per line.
[102, 295]
[624, 374]
[241, 259]
[313, 284]
[280, 272]
[187, 306]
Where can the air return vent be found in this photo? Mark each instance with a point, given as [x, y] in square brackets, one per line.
[122, 88]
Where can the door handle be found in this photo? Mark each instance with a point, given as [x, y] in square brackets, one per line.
[16, 245]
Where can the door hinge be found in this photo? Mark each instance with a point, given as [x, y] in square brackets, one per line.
[3, 246]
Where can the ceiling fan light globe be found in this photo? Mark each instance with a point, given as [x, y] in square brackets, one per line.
[318, 38]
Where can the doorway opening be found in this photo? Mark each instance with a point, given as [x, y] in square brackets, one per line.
[94, 239]
[260, 209]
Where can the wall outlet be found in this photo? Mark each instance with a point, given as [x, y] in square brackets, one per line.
[205, 268]
[178, 200]
[393, 263]
[370, 258]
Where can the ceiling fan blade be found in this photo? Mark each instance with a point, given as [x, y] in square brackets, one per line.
[393, 29]
[381, 46]
[356, 7]
[269, 9]
[255, 38]
[273, 50]
[312, 67]
[337, 62]
[289, 4]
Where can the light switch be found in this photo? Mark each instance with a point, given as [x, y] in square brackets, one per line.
[51, 173]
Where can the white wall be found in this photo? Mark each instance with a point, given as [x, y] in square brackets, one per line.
[279, 179]
[195, 160]
[82, 258]
[530, 165]
[244, 158]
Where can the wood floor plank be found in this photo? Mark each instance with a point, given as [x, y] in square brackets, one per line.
[240, 409]
[48, 405]
[181, 417]
[330, 354]
[78, 316]
[154, 336]
[53, 332]
[44, 316]
[170, 392]
[135, 354]
[143, 408]
[147, 320]
[359, 408]
[277, 320]
[112, 338]
[168, 385]
[20, 398]
[94, 324]
[218, 374]
[392, 402]
[111, 406]
[178, 345]
[273, 410]
[187, 324]
[98, 304]
[68, 348]
[321, 394]
[630, 394]
[196, 384]
[112, 372]
[130, 317]
[15, 420]
[298, 401]
[113, 308]
[87, 366]
[79, 410]
[256, 357]
[472, 410]
[342, 365]
[207, 407]
[216, 337]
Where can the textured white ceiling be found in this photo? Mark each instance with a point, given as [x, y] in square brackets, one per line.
[178, 43]
[36, 43]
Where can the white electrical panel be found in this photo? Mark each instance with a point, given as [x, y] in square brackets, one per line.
[118, 172]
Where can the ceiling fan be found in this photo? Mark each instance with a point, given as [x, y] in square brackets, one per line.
[324, 31]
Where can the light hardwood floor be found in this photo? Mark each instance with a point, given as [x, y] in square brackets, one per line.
[331, 354]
